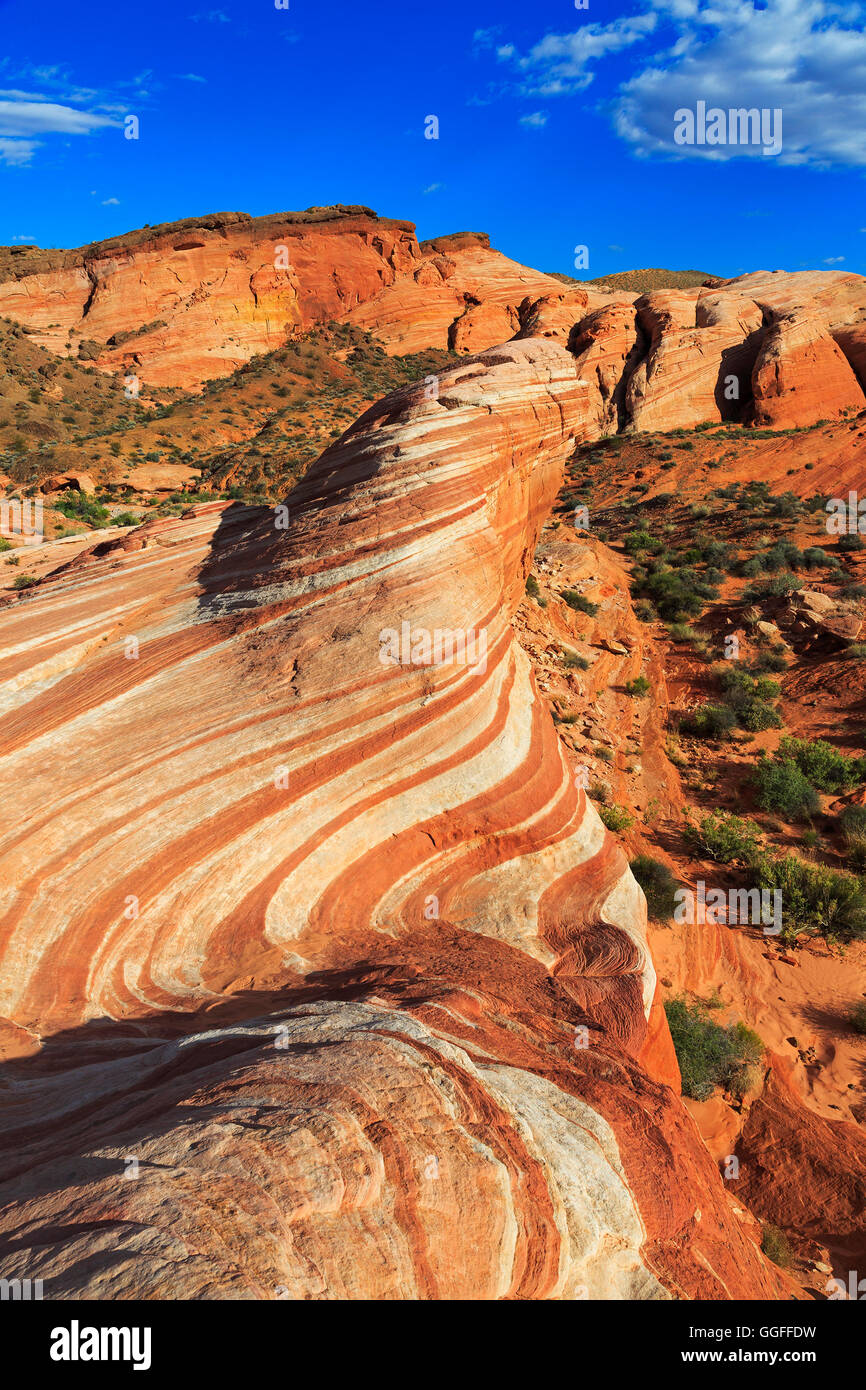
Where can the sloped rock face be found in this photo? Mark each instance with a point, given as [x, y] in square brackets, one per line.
[183, 303]
[780, 1141]
[779, 351]
[194, 301]
[802, 376]
[478, 300]
[320, 975]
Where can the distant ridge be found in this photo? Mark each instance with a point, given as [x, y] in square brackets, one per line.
[642, 281]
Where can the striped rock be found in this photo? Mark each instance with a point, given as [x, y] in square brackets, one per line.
[320, 977]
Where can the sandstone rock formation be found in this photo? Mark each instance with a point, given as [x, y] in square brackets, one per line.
[181, 303]
[187, 301]
[781, 351]
[320, 976]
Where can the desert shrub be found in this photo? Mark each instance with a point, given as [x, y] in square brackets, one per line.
[726, 838]
[639, 686]
[616, 818]
[636, 541]
[23, 581]
[768, 661]
[816, 899]
[853, 542]
[676, 593]
[579, 602]
[778, 587]
[710, 1055]
[532, 588]
[825, 767]
[79, 506]
[774, 1244]
[760, 715]
[574, 661]
[709, 721]
[857, 1016]
[781, 786]
[816, 558]
[748, 696]
[658, 884]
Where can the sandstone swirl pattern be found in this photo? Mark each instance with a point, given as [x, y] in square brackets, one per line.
[300, 950]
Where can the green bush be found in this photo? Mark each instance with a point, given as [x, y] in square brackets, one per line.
[780, 786]
[639, 686]
[774, 1244]
[825, 767]
[579, 603]
[676, 593]
[709, 721]
[816, 900]
[658, 884]
[79, 506]
[726, 838]
[759, 715]
[769, 661]
[616, 818]
[24, 581]
[708, 1054]
[573, 660]
[777, 587]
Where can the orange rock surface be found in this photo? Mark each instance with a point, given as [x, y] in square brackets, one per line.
[320, 975]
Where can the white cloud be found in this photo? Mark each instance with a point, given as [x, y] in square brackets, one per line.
[806, 58]
[23, 118]
[18, 152]
[833, 260]
[26, 115]
[110, 202]
[192, 77]
[535, 119]
[560, 63]
[432, 188]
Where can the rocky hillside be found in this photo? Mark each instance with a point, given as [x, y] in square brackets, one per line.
[339, 778]
[189, 301]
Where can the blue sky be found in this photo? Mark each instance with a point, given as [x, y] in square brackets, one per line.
[555, 123]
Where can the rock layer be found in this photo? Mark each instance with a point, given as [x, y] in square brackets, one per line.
[315, 932]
